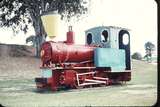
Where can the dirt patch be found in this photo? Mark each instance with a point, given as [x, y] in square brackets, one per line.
[141, 86]
[18, 61]
[19, 67]
[16, 50]
[140, 92]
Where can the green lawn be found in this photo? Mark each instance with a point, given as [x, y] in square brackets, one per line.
[140, 91]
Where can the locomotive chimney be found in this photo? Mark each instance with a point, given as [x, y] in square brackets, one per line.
[51, 22]
[70, 36]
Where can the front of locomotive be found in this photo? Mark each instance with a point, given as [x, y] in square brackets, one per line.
[50, 23]
[45, 54]
[54, 55]
[51, 26]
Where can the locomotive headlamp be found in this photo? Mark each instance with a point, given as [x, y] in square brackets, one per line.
[42, 53]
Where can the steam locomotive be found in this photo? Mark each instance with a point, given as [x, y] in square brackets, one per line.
[102, 61]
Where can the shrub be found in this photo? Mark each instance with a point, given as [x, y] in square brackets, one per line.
[137, 56]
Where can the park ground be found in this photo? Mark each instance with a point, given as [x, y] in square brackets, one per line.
[17, 86]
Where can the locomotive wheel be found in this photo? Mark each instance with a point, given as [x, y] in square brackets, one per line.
[79, 87]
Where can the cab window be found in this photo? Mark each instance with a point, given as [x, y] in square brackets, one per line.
[104, 36]
[89, 38]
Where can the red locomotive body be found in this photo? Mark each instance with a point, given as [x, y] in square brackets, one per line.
[65, 64]
[63, 52]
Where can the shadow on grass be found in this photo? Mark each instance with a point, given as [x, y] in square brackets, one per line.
[68, 90]
[49, 91]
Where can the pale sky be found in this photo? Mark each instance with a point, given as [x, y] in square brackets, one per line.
[140, 16]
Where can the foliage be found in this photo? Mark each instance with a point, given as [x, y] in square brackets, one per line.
[137, 56]
[32, 39]
[149, 47]
[19, 14]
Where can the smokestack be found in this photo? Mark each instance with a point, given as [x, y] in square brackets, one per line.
[51, 24]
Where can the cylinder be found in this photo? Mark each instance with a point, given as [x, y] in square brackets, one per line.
[51, 24]
[61, 52]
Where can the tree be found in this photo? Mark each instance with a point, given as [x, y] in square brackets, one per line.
[32, 39]
[137, 56]
[19, 14]
[149, 47]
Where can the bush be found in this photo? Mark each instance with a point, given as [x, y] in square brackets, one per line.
[137, 56]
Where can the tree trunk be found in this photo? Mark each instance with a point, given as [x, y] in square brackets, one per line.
[40, 35]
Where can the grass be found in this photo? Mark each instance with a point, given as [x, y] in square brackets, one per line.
[140, 91]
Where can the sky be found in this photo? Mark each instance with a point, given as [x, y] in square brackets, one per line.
[140, 16]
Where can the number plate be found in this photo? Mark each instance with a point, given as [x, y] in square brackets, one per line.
[46, 73]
